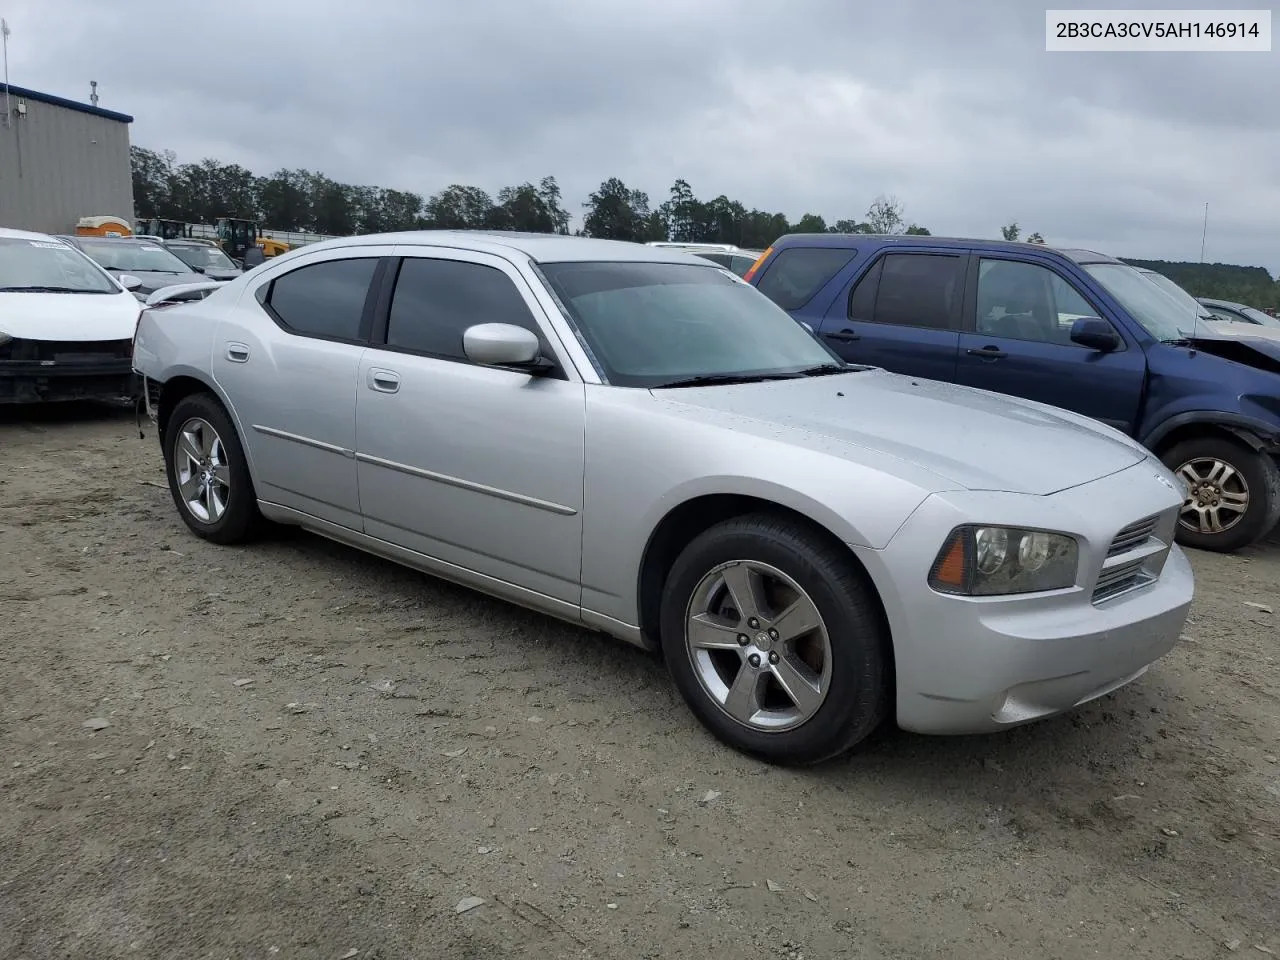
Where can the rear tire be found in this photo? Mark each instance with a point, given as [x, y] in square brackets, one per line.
[208, 473]
[1233, 488]
[819, 682]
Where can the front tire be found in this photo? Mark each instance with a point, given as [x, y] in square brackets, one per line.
[1234, 497]
[775, 640]
[208, 473]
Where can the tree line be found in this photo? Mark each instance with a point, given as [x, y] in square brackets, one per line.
[308, 201]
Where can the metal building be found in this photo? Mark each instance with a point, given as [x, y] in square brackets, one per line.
[61, 160]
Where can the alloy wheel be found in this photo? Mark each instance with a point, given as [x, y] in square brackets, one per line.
[1217, 495]
[203, 474]
[758, 646]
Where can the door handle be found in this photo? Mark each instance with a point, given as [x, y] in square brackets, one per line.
[237, 352]
[845, 335]
[384, 381]
[987, 353]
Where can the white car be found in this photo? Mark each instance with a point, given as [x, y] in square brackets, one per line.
[66, 325]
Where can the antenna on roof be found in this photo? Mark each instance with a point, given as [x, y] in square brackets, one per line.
[4, 39]
[93, 92]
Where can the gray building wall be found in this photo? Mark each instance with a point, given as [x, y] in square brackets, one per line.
[60, 163]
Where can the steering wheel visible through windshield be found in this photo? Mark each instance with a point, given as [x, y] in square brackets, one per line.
[659, 324]
[126, 256]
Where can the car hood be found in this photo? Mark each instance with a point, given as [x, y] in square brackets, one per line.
[974, 439]
[1245, 330]
[1254, 346]
[152, 281]
[68, 316]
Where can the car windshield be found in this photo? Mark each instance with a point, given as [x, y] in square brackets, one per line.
[202, 255]
[659, 324]
[1257, 316]
[1165, 314]
[126, 256]
[48, 266]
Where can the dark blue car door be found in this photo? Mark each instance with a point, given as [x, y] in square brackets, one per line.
[902, 312]
[1017, 340]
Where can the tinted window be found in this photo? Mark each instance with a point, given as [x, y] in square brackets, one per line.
[649, 324]
[1025, 301]
[797, 273]
[723, 259]
[912, 290]
[436, 300]
[324, 299]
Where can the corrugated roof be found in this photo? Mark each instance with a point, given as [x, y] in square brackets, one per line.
[49, 98]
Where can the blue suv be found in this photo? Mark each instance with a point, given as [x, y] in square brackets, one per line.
[1071, 328]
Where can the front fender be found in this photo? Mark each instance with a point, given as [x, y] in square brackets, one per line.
[1259, 434]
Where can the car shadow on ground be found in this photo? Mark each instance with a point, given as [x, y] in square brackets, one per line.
[1081, 738]
[39, 417]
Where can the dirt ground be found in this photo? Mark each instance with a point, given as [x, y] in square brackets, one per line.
[312, 753]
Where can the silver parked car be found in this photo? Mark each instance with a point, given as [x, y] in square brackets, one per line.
[634, 439]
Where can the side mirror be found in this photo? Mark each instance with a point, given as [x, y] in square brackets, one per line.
[1094, 333]
[129, 281]
[502, 345]
[197, 269]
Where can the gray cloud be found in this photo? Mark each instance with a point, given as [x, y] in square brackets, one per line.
[818, 106]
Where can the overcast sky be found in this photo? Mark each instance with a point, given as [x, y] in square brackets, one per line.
[810, 106]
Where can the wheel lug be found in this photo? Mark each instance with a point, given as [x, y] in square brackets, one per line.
[743, 639]
[773, 634]
[753, 623]
[754, 659]
[773, 656]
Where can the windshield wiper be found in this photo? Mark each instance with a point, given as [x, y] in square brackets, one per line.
[709, 379]
[826, 370]
[43, 289]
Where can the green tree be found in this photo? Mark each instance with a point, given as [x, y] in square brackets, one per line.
[458, 207]
[1011, 231]
[616, 212]
[809, 223]
[151, 173]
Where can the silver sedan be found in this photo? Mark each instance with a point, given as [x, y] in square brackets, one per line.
[634, 439]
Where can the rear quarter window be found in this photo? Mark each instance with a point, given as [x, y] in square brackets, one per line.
[797, 273]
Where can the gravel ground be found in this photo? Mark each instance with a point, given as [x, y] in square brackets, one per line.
[311, 753]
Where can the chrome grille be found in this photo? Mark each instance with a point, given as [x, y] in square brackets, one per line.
[1134, 535]
[1135, 558]
[1121, 579]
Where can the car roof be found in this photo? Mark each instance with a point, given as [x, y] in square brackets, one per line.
[538, 247]
[63, 236]
[6, 233]
[917, 240]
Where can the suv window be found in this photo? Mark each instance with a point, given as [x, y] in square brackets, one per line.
[436, 300]
[324, 299]
[910, 290]
[1026, 301]
[797, 273]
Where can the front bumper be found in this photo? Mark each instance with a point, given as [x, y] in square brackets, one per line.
[35, 371]
[974, 665]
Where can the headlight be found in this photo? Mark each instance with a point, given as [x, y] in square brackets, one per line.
[994, 561]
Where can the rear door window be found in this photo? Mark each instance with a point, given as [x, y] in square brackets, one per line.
[911, 290]
[324, 300]
[797, 273]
